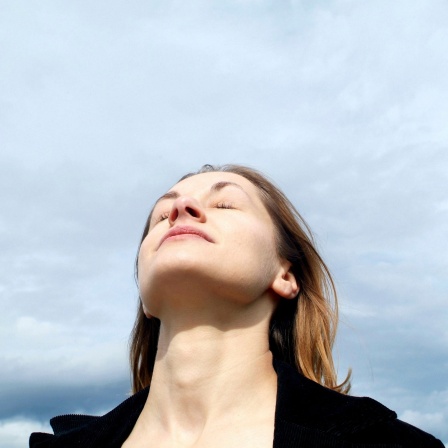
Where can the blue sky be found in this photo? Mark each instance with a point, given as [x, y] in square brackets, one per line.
[105, 105]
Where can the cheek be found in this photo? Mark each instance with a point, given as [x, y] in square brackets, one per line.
[146, 285]
[257, 249]
[144, 266]
[141, 274]
[263, 238]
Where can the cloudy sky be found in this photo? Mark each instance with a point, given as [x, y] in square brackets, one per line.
[105, 104]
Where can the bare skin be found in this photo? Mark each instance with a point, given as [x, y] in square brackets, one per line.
[213, 383]
[206, 392]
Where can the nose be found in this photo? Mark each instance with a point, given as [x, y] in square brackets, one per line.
[185, 207]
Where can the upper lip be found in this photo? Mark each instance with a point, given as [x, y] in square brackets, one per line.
[185, 230]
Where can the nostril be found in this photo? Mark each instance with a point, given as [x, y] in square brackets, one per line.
[192, 212]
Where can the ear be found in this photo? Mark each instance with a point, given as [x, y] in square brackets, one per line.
[285, 283]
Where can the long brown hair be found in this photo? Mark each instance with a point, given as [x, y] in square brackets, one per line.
[302, 330]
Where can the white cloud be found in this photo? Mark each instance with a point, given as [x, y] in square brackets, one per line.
[430, 414]
[15, 432]
[343, 103]
[431, 421]
[29, 326]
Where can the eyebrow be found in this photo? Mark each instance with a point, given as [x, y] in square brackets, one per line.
[218, 186]
[168, 195]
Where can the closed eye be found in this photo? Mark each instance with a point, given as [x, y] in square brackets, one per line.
[162, 217]
[228, 205]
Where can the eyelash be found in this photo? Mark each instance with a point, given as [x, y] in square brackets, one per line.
[226, 205]
[223, 205]
[162, 217]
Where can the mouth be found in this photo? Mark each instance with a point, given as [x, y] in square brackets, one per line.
[185, 231]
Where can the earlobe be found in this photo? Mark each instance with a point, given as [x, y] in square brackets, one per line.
[285, 284]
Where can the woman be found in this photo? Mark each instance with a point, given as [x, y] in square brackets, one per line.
[233, 337]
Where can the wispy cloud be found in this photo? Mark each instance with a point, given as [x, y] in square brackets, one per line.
[104, 107]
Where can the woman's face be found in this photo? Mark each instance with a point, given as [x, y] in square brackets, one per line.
[209, 237]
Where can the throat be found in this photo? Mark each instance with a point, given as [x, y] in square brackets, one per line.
[190, 398]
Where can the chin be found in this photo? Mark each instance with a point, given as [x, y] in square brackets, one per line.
[176, 262]
[176, 276]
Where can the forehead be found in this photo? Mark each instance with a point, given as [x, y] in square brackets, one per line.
[199, 183]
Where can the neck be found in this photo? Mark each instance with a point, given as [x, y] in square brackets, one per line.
[204, 377]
